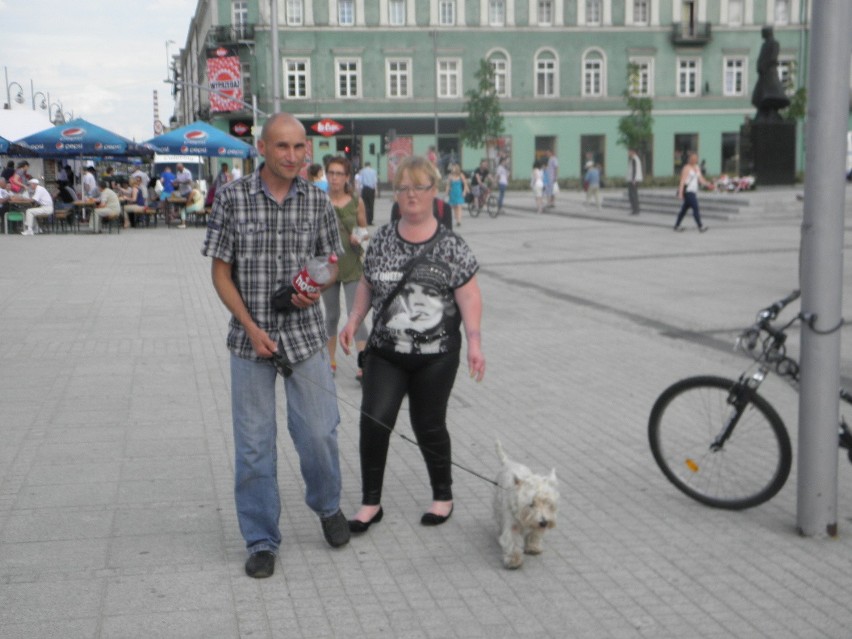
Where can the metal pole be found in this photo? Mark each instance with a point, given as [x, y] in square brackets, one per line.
[822, 268]
[276, 71]
[8, 93]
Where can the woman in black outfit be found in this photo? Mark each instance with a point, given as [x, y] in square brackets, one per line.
[415, 346]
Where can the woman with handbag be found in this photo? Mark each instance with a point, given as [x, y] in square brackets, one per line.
[420, 281]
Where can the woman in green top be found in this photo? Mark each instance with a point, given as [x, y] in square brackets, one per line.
[351, 215]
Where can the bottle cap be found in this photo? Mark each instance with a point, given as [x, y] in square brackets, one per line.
[332, 259]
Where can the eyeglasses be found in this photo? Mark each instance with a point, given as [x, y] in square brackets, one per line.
[335, 173]
[418, 189]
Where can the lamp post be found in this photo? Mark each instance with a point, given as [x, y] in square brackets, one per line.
[19, 96]
[45, 100]
[57, 116]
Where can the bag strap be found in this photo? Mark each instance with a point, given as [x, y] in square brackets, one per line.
[409, 267]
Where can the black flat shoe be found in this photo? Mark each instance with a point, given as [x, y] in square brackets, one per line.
[431, 519]
[358, 526]
[261, 564]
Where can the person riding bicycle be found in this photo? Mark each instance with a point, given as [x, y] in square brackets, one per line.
[479, 181]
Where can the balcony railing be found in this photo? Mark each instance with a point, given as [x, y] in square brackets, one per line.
[230, 34]
[691, 34]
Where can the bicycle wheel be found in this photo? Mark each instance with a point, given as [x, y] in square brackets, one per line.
[475, 207]
[491, 205]
[745, 469]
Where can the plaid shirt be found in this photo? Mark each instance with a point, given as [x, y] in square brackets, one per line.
[267, 244]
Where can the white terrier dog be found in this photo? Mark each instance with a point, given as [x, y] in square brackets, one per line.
[524, 507]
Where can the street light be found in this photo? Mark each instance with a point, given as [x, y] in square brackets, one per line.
[57, 117]
[45, 100]
[19, 96]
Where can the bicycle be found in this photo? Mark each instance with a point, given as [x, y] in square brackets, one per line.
[485, 199]
[720, 442]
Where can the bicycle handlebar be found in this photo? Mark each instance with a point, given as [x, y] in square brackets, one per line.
[771, 312]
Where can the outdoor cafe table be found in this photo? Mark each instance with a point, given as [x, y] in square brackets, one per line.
[82, 206]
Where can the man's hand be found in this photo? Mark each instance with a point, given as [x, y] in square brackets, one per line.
[304, 300]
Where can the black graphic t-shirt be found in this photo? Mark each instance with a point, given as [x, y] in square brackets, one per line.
[423, 317]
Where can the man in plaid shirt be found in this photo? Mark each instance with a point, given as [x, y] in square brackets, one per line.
[263, 228]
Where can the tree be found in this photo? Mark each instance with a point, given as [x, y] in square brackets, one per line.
[636, 129]
[484, 119]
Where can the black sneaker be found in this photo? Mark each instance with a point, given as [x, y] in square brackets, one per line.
[703, 229]
[261, 564]
[335, 529]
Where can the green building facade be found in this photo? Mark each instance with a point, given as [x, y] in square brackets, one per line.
[393, 74]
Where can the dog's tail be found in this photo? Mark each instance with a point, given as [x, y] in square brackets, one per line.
[501, 453]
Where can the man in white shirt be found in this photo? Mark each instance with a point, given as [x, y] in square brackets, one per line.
[139, 173]
[183, 180]
[44, 206]
[236, 173]
[108, 205]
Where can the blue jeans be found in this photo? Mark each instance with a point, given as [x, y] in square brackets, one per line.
[690, 201]
[312, 419]
[502, 189]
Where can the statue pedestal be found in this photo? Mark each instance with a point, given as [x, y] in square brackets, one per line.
[773, 151]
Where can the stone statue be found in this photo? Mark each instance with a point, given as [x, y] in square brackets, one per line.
[768, 96]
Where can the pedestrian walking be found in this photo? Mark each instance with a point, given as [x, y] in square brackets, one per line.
[263, 229]
[690, 178]
[634, 177]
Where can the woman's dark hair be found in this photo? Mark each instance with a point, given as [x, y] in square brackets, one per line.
[313, 171]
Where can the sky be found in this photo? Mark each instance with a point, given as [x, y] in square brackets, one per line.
[101, 59]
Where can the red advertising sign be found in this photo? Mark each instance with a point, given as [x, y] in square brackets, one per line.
[224, 76]
[327, 127]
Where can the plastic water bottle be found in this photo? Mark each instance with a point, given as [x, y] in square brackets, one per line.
[313, 276]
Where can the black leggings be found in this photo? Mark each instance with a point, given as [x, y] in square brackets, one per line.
[428, 381]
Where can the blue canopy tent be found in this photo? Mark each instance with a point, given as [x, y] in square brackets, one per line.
[200, 138]
[13, 150]
[79, 138]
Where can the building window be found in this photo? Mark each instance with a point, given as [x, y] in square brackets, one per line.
[239, 17]
[447, 12]
[296, 76]
[782, 11]
[787, 74]
[593, 74]
[396, 13]
[545, 74]
[246, 78]
[734, 80]
[500, 65]
[594, 12]
[399, 78]
[641, 12]
[545, 12]
[348, 78]
[642, 80]
[294, 13]
[688, 80]
[735, 13]
[346, 12]
[497, 13]
[449, 78]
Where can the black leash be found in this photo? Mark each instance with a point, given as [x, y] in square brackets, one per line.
[286, 370]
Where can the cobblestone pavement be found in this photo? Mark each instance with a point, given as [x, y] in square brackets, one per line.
[116, 469]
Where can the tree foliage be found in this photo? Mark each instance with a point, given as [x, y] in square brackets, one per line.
[484, 122]
[636, 129]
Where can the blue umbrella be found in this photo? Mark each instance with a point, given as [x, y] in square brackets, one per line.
[200, 138]
[80, 138]
[11, 149]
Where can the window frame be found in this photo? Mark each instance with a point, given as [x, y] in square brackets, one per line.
[550, 57]
[291, 19]
[647, 11]
[398, 20]
[352, 93]
[600, 9]
[540, 17]
[646, 74]
[681, 72]
[404, 74]
[304, 73]
[341, 14]
[501, 57]
[454, 74]
[740, 74]
[599, 58]
[450, 5]
[492, 4]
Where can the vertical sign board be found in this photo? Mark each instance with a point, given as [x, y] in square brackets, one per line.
[225, 76]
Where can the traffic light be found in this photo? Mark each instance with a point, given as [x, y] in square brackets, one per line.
[357, 147]
[175, 80]
[346, 150]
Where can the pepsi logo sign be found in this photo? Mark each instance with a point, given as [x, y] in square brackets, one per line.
[73, 132]
[195, 136]
[98, 146]
[222, 150]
